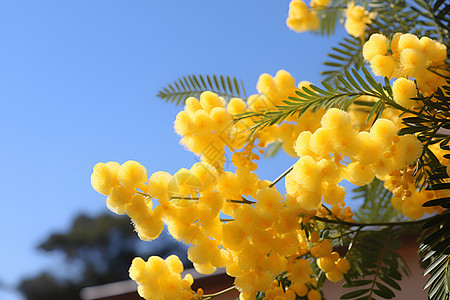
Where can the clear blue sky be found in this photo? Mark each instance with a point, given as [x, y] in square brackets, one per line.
[78, 80]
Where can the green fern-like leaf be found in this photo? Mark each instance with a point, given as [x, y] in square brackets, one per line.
[314, 98]
[373, 258]
[273, 149]
[394, 16]
[329, 16]
[194, 85]
[435, 246]
[344, 56]
[377, 205]
[435, 17]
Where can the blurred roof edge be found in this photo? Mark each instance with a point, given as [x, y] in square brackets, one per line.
[129, 286]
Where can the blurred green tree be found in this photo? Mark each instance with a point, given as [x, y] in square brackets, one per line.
[101, 248]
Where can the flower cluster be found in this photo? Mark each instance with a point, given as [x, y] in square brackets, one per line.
[357, 18]
[336, 151]
[329, 261]
[301, 18]
[404, 57]
[206, 124]
[263, 236]
[406, 198]
[160, 279]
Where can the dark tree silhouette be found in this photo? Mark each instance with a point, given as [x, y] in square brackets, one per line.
[103, 248]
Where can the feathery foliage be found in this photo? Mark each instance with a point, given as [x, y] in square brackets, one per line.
[376, 267]
[375, 260]
[313, 98]
[377, 205]
[344, 56]
[193, 85]
[435, 18]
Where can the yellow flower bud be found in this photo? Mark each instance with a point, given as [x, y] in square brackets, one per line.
[382, 65]
[132, 174]
[377, 44]
[343, 265]
[104, 177]
[334, 275]
[314, 295]
[403, 90]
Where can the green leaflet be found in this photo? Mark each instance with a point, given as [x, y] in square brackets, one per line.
[193, 85]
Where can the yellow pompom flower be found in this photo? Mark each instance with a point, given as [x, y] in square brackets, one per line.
[149, 228]
[383, 131]
[266, 86]
[138, 208]
[192, 105]
[409, 148]
[434, 51]
[377, 44]
[118, 198]
[315, 3]
[336, 119]
[300, 289]
[343, 265]
[236, 106]
[300, 271]
[274, 263]
[358, 173]
[286, 244]
[301, 18]
[301, 145]
[221, 118]
[172, 287]
[309, 200]
[323, 248]
[334, 275]
[234, 237]
[320, 142]
[333, 194]
[357, 20]
[403, 90]
[210, 100]
[307, 173]
[104, 177]
[327, 263]
[407, 41]
[206, 174]
[158, 184]
[183, 123]
[284, 80]
[183, 183]
[201, 122]
[132, 174]
[174, 264]
[383, 65]
[370, 150]
[268, 202]
[413, 61]
[228, 185]
[329, 171]
[314, 295]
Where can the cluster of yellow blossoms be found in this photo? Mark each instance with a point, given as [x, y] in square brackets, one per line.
[357, 18]
[160, 279]
[262, 236]
[404, 57]
[302, 18]
[336, 151]
[206, 126]
[236, 221]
